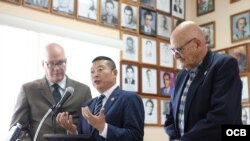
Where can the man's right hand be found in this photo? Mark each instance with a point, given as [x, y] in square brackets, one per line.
[65, 121]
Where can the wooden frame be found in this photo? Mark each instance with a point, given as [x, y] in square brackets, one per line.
[204, 7]
[166, 82]
[17, 2]
[164, 109]
[151, 110]
[129, 17]
[131, 1]
[166, 58]
[88, 10]
[245, 88]
[245, 117]
[130, 49]
[233, 1]
[178, 9]
[149, 79]
[148, 3]
[150, 25]
[129, 76]
[163, 6]
[67, 9]
[240, 26]
[109, 8]
[42, 5]
[208, 30]
[148, 50]
[164, 26]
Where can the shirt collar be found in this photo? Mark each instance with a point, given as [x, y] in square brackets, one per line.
[62, 83]
[108, 92]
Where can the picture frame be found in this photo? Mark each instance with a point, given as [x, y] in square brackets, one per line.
[240, 26]
[208, 30]
[129, 17]
[166, 57]
[109, 8]
[233, 1]
[245, 115]
[148, 3]
[149, 79]
[151, 110]
[176, 22]
[178, 9]
[66, 9]
[16, 2]
[166, 82]
[131, 1]
[245, 88]
[148, 50]
[164, 109]
[42, 5]
[163, 6]
[130, 49]
[204, 7]
[88, 10]
[129, 77]
[164, 26]
[149, 27]
[240, 54]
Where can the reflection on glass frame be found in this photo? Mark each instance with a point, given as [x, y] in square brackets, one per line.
[147, 22]
[109, 13]
[130, 47]
[164, 26]
[163, 5]
[148, 3]
[245, 117]
[208, 30]
[64, 8]
[240, 54]
[17, 2]
[245, 91]
[204, 7]
[178, 8]
[164, 109]
[43, 5]
[148, 51]
[88, 10]
[149, 80]
[129, 17]
[151, 110]
[166, 80]
[240, 26]
[129, 78]
[166, 57]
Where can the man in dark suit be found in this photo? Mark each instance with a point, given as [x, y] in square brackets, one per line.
[130, 75]
[108, 17]
[147, 28]
[122, 115]
[35, 98]
[207, 91]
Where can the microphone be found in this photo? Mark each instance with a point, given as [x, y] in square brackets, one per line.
[68, 92]
[14, 132]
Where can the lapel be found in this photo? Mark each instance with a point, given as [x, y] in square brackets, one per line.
[44, 90]
[112, 98]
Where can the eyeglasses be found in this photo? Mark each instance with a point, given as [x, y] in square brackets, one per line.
[52, 65]
[179, 50]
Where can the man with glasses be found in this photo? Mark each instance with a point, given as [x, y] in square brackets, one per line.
[207, 91]
[37, 97]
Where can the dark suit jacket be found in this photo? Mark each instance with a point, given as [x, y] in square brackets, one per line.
[213, 99]
[124, 114]
[127, 80]
[175, 9]
[113, 22]
[35, 99]
[153, 32]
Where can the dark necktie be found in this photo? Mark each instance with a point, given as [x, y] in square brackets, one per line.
[56, 93]
[98, 105]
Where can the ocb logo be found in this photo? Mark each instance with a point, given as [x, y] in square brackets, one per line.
[236, 132]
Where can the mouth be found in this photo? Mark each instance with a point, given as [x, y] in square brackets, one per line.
[97, 82]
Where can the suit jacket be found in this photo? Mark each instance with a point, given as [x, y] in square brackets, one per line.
[124, 114]
[175, 9]
[35, 99]
[105, 20]
[213, 99]
[153, 32]
[127, 81]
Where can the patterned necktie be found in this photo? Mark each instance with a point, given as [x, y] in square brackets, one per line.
[98, 105]
[56, 93]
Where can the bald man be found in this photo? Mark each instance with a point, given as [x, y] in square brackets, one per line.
[207, 90]
[35, 98]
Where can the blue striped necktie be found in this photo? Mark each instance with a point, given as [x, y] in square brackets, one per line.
[98, 105]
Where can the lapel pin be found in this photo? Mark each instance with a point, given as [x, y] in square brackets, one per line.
[205, 73]
[112, 99]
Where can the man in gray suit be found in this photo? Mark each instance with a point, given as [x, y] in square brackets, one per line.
[35, 98]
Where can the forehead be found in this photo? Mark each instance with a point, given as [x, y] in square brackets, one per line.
[100, 63]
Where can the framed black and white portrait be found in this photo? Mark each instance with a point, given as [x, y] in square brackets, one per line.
[148, 51]
[245, 88]
[165, 108]
[164, 26]
[148, 3]
[166, 80]
[240, 26]
[42, 5]
[64, 7]
[130, 47]
[109, 12]
[240, 54]
[178, 8]
[149, 80]
[129, 17]
[208, 30]
[17, 2]
[166, 56]
[245, 115]
[88, 10]
[204, 7]
[129, 77]
[147, 22]
[163, 6]
[151, 110]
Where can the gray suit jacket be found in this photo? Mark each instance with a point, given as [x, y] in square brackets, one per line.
[35, 99]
